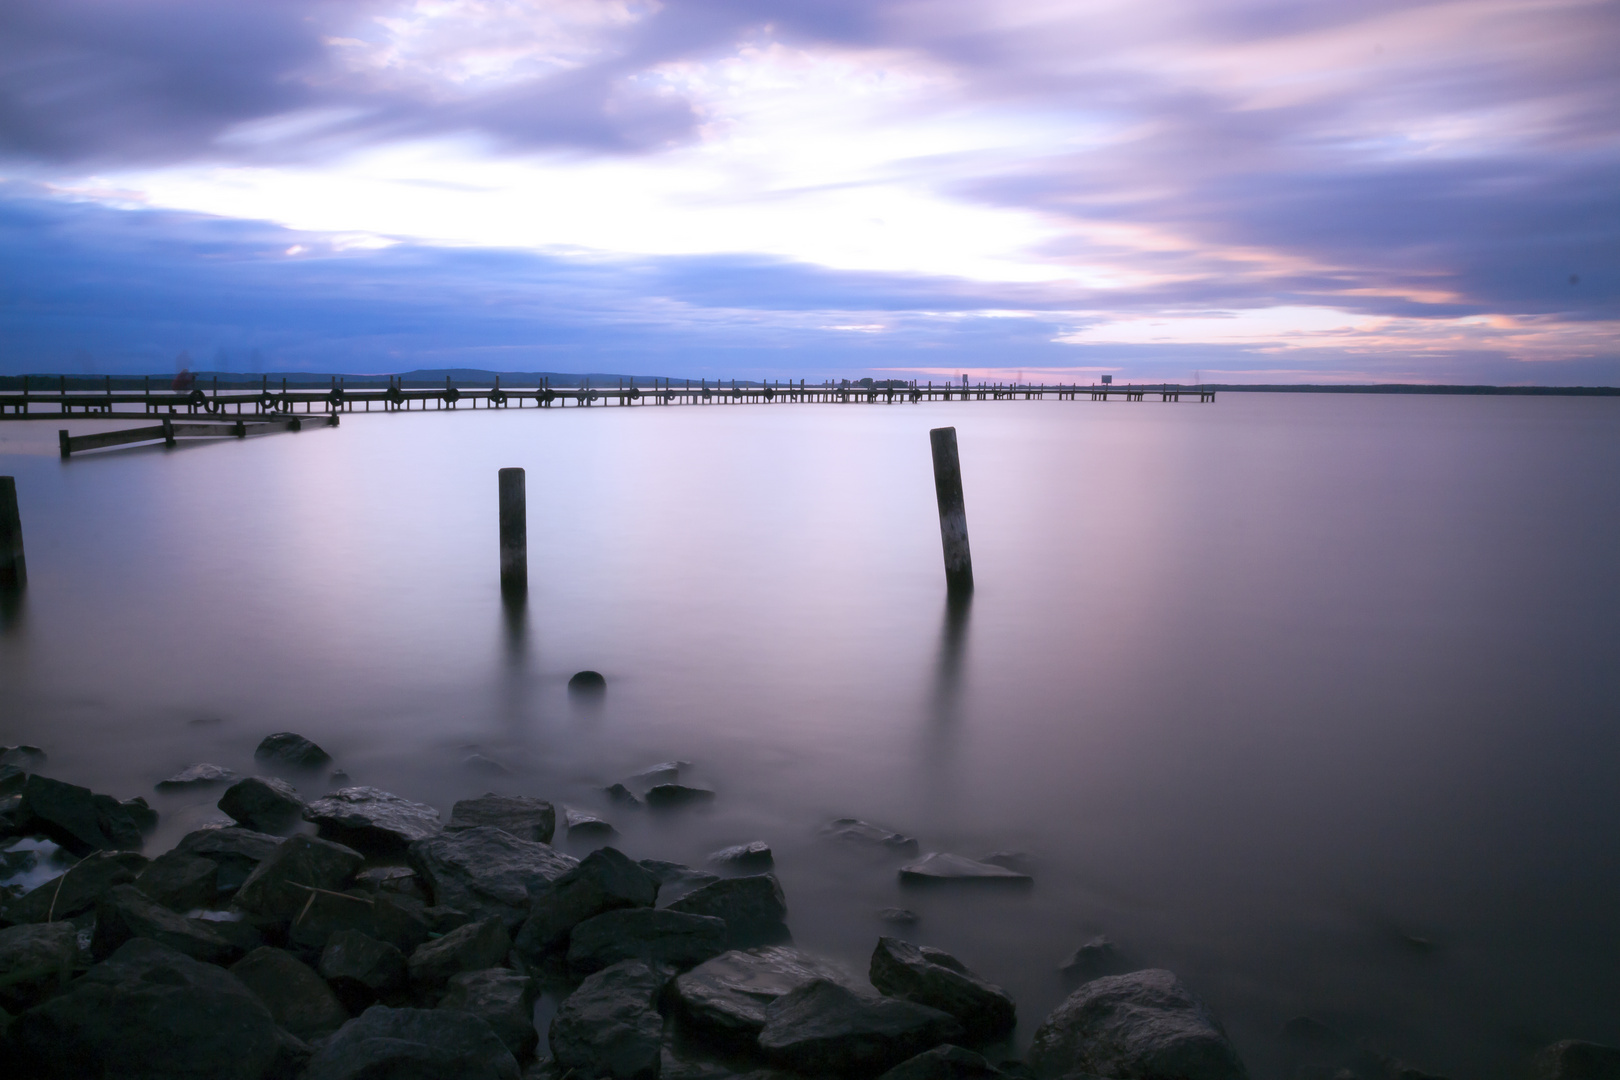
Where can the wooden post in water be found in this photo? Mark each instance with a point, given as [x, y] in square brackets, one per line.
[13, 570]
[952, 513]
[514, 533]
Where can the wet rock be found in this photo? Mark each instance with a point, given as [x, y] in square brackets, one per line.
[402, 921]
[944, 1063]
[413, 1044]
[236, 853]
[1019, 862]
[621, 794]
[944, 868]
[12, 780]
[297, 998]
[326, 913]
[604, 881]
[242, 935]
[1094, 959]
[362, 970]
[1572, 1059]
[587, 682]
[371, 820]
[610, 1027]
[726, 997]
[668, 796]
[1141, 1025]
[864, 833]
[144, 817]
[400, 880]
[287, 749]
[473, 947]
[22, 757]
[827, 1029]
[179, 880]
[665, 772]
[13, 816]
[676, 880]
[899, 916]
[263, 803]
[524, 817]
[586, 827]
[202, 775]
[751, 856]
[484, 870]
[656, 936]
[77, 818]
[36, 959]
[76, 891]
[753, 907]
[281, 884]
[18, 861]
[936, 978]
[151, 1013]
[126, 912]
[502, 999]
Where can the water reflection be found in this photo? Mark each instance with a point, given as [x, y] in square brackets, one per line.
[946, 705]
[515, 618]
[12, 609]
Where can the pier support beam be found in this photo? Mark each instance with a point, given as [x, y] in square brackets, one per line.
[514, 533]
[952, 513]
[13, 570]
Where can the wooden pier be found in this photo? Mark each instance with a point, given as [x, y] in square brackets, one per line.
[170, 430]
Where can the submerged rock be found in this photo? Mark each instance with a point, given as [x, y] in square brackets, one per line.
[676, 880]
[23, 757]
[287, 748]
[610, 1027]
[945, 1062]
[76, 891]
[753, 907]
[485, 870]
[500, 998]
[605, 880]
[263, 803]
[1020, 862]
[727, 997]
[864, 833]
[197, 776]
[941, 867]
[587, 682]
[1142, 1025]
[665, 772]
[655, 936]
[298, 998]
[36, 959]
[755, 855]
[1312, 1049]
[936, 978]
[77, 818]
[280, 885]
[419, 1044]
[666, 796]
[583, 826]
[1094, 959]
[899, 916]
[371, 820]
[823, 1028]
[621, 794]
[524, 817]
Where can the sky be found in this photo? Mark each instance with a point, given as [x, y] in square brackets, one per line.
[1239, 191]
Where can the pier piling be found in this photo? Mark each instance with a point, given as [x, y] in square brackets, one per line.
[952, 513]
[514, 533]
[13, 570]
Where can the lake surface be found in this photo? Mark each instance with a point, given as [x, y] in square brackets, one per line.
[1313, 699]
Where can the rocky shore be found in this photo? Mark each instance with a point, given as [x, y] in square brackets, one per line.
[394, 943]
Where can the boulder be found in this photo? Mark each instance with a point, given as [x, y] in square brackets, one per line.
[586, 827]
[609, 1027]
[77, 818]
[241, 934]
[823, 1028]
[524, 817]
[263, 803]
[621, 794]
[726, 997]
[1141, 1026]
[13, 815]
[126, 912]
[587, 682]
[863, 833]
[298, 998]
[665, 772]
[144, 817]
[944, 868]
[290, 750]
[76, 891]
[35, 959]
[484, 870]
[667, 796]
[23, 757]
[500, 998]
[937, 979]
[371, 820]
[325, 913]
[192, 777]
[945, 1062]
[473, 947]
[656, 936]
[604, 881]
[755, 855]
[12, 780]
[753, 908]
[236, 852]
[399, 880]
[402, 921]
[413, 1044]
[150, 1013]
[1572, 1059]
[362, 970]
[1094, 959]
[899, 916]
[179, 880]
[676, 880]
[281, 884]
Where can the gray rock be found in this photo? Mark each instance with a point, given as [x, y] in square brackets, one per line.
[151, 1013]
[287, 749]
[326, 913]
[24, 757]
[236, 852]
[144, 817]
[864, 833]
[827, 1029]
[942, 867]
[76, 891]
[371, 820]
[1572, 1059]
[35, 959]
[362, 970]
[621, 794]
[753, 908]
[667, 796]
[610, 1027]
[484, 870]
[726, 997]
[676, 880]
[180, 880]
[944, 1063]
[587, 682]
[899, 916]
[239, 932]
[937, 979]
[604, 881]
[402, 921]
[583, 826]
[524, 817]
[77, 818]
[297, 998]
[1094, 959]
[400, 880]
[473, 947]
[280, 886]
[755, 855]
[665, 772]
[12, 780]
[502, 999]
[413, 1044]
[263, 803]
[656, 936]
[1019, 862]
[125, 912]
[1141, 1026]
[201, 775]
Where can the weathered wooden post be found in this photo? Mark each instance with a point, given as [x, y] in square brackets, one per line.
[953, 532]
[514, 533]
[13, 570]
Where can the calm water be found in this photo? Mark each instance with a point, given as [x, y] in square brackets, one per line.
[1270, 688]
